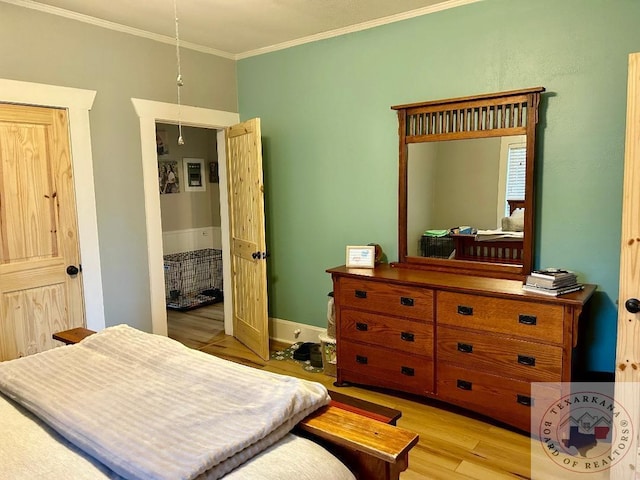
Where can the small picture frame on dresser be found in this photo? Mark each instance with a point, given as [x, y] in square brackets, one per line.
[361, 256]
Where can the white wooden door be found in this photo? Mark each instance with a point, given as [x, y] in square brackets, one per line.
[38, 231]
[627, 391]
[247, 232]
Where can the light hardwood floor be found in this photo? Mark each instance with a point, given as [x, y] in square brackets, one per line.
[198, 327]
[453, 446]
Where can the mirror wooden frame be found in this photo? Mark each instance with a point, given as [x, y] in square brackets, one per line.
[489, 115]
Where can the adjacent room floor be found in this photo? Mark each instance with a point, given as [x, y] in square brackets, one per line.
[198, 327]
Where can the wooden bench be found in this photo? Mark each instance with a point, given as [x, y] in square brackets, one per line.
[362, 407]
[73, 335]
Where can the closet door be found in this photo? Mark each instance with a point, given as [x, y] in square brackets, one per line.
[40, 284]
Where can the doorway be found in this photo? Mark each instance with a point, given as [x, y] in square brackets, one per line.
[149, 113]
[189, 189]
[78, 103]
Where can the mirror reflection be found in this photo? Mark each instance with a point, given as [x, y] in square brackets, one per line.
[459, 190]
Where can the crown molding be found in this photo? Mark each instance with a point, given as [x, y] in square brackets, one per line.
[61, 12]
[358, 27]
[251, 53]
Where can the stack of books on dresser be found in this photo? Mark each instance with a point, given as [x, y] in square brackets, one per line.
[552, 282]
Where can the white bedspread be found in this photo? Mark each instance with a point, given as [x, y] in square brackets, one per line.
[148, 407]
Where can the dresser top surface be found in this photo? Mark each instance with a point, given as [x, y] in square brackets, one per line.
[460, 283]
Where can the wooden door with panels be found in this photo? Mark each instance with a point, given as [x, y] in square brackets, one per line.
[627, 391]
[40, 284]
[247, 236]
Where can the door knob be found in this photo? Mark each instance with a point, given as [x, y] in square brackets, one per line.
[72, 270]
[632, 305]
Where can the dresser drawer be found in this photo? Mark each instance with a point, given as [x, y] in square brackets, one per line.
[385, 368]
[537, 321]
[519, 359]
[406, 336]
[400, 300]
[503, 399]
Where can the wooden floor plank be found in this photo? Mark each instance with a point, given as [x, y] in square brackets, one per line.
[227, 347]
[511, 461]
[425, 458]
[477, 471]
[198, 327]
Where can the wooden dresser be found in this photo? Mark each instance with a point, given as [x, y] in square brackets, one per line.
[476, 342]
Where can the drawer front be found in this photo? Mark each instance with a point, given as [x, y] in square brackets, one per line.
[500, 398]
[536, 321]
[385, 368]
[403, 335]
[392, 299]
[519, 359]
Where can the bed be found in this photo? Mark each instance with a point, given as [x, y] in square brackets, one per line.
[503, 245]
[127, 404]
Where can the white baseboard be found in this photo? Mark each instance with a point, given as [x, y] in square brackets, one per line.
[190, 239]
[284, 331]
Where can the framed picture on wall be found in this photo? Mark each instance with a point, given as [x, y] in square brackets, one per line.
[194, 175]
[162, 142]
[168, 177]
[213, 173]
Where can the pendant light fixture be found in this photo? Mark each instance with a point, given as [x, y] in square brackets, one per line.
[179, 81]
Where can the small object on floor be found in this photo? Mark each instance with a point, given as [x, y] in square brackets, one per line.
[315, 355]
[287, 354]
[214, 293]
[303, 352]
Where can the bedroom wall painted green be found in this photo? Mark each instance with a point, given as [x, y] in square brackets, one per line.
[330, 144]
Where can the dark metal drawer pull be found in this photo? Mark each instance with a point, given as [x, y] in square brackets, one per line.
[527, 319]
[528, 361]
[363, 327]
[406, 301]
[524, 400]
[407, 337]
[463, 310]
[464, 385]
[465, 348]
[362, 359]
[361, 294]
[408, 371]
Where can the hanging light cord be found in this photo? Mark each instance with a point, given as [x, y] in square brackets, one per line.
[179, 81]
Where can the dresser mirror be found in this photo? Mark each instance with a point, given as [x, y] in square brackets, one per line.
[467, 183]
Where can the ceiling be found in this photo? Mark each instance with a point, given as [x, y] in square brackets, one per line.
[240, 28]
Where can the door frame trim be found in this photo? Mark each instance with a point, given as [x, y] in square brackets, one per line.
[77, 102]
[152, 112]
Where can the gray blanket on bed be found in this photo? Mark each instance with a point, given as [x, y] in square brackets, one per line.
[148, 407]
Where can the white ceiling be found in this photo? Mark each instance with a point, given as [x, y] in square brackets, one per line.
[240, 28]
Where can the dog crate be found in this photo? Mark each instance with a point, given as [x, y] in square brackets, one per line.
[436, 247]
[193, 279]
